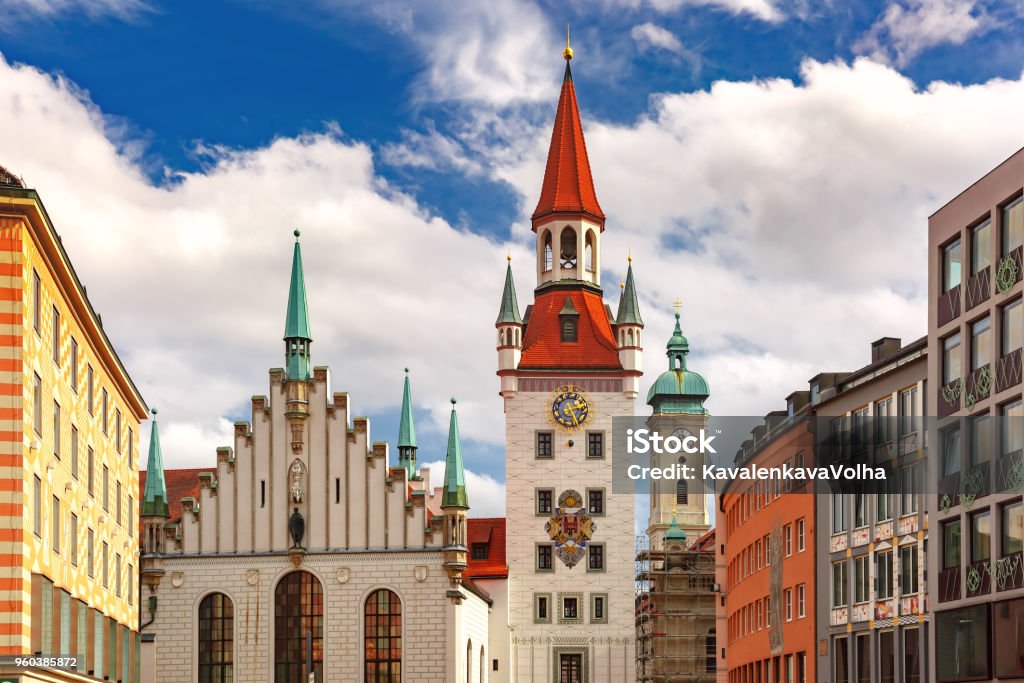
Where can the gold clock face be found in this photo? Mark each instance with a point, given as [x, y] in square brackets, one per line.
[569, 408]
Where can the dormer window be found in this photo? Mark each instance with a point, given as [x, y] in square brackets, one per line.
[568, 330]
[480, 551]
[568, 318]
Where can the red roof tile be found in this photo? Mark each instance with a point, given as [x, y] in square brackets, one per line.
[706, 542]
[180, 484]
[543, 347]
[489, 530]
[568, 186]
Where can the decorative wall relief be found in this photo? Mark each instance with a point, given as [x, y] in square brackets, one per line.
[570, 528]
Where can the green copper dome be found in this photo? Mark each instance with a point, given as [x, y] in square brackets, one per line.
[678, 390]
[674, 531]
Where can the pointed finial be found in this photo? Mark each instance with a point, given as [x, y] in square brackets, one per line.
[509, 257]
[153, 410]
[453, 400]
[407, 371]
[296, 233]
[567, 52]
[677, 304]
[622, 285]
[629, 254]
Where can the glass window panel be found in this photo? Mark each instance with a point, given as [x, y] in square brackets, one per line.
[1012, 540]
[951, 358]
[951, 265]
[981, 247]
[951, 544]
[951, 452]
[981, 536]
[981, 343]
[1009, 624]
[965, 643]
[1013, 327]
[1012, 227]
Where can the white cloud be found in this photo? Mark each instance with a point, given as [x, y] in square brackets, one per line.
[909, 27]
[121, 9]
[486, 494]
[791, 218]
[765, 10]
[649, 34]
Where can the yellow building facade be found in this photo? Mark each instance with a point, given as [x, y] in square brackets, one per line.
[69, 471]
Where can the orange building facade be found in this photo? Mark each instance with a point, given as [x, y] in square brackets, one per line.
[769, 560]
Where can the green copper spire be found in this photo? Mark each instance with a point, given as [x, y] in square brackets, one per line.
[407, 433]
[509, 311]
[677, 348]
[674, 532]
[454, 476]
[296, 326]
[154, 499]
[629, 309]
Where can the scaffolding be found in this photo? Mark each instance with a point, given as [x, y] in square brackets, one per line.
[675, 614]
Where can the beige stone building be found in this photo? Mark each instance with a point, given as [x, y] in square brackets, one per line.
[304, 551]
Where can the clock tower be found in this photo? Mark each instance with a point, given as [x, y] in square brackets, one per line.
[567, 366]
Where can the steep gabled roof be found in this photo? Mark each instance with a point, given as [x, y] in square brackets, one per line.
[489, 530]
[568, 186]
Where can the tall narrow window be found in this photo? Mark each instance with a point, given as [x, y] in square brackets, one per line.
[908, 570]
[37, 404]
[883, 574]
[104, 416]
[55, 524]
[860, 579]
[73, 538]
[89, 389]
[90, 549]
[216, 639]
[74, 452]
[131, 516]
[37, 506]
[951, 358]
[1012, 227]
[567, 248]
[106, 565]
[981, 247]
[131, 448]
[951, 266]
[544, 444]
[74, 364]
[981, 343]
[117, 504]
[106, 488]
[56, 430]
[590, 253]
[117, 429]
[911, 656]
[117, 574]
[37, 293]
[90, 474]
[951, 451]
[382, 642]
[951, 544]
[839, 584]
[1013, 328]
[548, 254]
[298, 611]
[56, 336]
[981, 536]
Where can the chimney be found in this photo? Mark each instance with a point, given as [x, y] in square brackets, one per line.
[885, 347]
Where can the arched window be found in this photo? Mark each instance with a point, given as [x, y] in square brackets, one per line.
[548, 256]
[508, 336]
[567, 249]
[298, 616]
[589, 253]
[629, 337]
[216, 639]
[382, 637]
[682, 494]
[483, 665]
[469, 661]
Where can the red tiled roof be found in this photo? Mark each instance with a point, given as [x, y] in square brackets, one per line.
[180, 484]
[568, 186]
[489, 530]
[705, 542]
[543, 347]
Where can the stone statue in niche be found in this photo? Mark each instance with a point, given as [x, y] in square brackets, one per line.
[296, 472]
[297, 528]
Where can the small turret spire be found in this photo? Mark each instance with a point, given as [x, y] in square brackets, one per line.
[454, 475]
[509, 311]
[678, 347]
[296, 327]
[407, 432]
[629, 307]
[674, 531]
[154, 498]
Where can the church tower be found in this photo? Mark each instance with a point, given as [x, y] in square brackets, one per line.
[677, 403]
[154, 512]
[567, 366]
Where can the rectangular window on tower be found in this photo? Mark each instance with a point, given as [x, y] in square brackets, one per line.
[544, 444]
[595, 444]
[544, 553]
[544, 498]
[595, 501]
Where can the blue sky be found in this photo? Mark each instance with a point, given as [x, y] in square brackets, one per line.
[430, 123]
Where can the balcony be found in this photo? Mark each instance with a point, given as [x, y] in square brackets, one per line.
[949, 306]
[978, 579]
[1008, 370]
[949, 398]
[949, 584]
[978, 288]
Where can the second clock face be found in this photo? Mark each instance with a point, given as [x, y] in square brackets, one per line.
[569, 409]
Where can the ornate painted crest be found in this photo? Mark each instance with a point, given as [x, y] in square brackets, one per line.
[570, 528]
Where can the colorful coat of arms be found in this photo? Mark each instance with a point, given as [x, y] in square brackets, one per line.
[570, 528]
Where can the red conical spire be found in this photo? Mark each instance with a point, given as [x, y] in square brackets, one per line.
[568, 186]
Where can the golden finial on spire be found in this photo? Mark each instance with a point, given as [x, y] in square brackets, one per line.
[677, 304]
[629, 254]
[567, 52]
[622, 285]
[509, 257]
